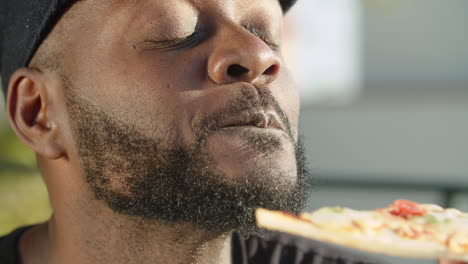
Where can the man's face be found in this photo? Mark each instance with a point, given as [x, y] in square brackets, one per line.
[183, 110]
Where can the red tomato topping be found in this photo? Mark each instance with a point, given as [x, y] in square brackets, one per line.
[290, 215]
[406, 208]
[298, 217]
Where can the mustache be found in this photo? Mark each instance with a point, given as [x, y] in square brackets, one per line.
[262, 100]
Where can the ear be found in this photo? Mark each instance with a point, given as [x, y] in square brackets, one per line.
[28, 109]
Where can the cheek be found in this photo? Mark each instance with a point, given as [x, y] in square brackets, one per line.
[141, 102]
[287, 96]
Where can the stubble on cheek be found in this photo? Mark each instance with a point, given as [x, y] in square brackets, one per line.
[146, 177]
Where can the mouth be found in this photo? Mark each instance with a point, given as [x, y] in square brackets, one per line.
[252, 119]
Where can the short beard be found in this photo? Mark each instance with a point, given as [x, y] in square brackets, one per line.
[175, 183]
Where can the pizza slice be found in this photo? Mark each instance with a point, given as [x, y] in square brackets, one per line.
[404, 228]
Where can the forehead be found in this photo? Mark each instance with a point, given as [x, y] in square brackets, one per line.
[124, 18]
[181, 8]
[241, 5]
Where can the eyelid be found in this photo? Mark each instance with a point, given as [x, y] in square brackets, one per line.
[169, 43]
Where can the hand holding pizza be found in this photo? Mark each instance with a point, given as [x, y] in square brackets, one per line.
[404, 228]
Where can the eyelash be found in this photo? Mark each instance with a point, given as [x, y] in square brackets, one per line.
[187, 41]
[272, 45]
[171, 43]
[263, 36]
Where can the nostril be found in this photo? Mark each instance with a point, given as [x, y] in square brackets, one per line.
[272, 70]
[236, 70]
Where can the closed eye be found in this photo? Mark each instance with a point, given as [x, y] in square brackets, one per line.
[174, 43]
[264, 36]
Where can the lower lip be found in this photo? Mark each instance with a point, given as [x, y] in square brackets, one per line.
[236, 140]
[243, 146]
[240, 129]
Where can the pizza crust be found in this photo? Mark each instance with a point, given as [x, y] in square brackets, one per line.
[388, 244]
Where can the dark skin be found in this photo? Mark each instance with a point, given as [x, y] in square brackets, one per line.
[130, 72]
[133, 59]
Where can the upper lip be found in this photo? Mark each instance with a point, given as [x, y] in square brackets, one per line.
[261, 119]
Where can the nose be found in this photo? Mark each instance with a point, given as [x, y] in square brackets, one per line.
[240, 56]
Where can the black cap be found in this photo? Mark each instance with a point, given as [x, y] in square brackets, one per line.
[24, 24]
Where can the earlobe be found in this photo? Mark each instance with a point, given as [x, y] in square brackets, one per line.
[29, 115]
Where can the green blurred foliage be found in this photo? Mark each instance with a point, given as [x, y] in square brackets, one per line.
[23, 195]
[13, 151]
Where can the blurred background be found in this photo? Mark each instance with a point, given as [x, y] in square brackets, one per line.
[384, 88]
[385, 100]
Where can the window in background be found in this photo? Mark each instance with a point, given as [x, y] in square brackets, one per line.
[323, 49]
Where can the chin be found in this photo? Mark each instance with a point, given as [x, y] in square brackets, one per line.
[276, 168]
